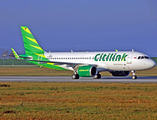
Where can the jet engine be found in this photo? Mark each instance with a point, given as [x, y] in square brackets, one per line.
[86, 71]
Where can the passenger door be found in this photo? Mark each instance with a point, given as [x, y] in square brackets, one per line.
[129, 58]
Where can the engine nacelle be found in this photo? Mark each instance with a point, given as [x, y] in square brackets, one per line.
[120, 73]
[86, 71]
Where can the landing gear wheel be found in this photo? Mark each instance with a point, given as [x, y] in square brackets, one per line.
[134, 77]
[75, 76]
[97, 76]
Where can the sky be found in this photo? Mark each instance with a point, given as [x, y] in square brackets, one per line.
[81, 25]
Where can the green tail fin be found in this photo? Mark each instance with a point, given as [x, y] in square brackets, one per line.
[15, 54]
[30, 43]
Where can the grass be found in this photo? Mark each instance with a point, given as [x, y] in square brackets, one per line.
[32, 71]
[37, 71]
[78, 101]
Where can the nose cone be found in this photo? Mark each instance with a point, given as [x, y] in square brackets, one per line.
[151, 63]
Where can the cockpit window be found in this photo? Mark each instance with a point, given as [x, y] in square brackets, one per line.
[143, 57]
[146, 57]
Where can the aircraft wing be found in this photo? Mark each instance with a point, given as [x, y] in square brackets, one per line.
[61, 63]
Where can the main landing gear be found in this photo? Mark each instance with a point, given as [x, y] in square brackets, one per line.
[97, 76]
[133, 75]
[75, 76]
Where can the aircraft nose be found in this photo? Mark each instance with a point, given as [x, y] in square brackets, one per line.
[151, 63]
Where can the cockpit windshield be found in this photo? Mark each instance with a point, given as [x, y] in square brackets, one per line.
[143, 57]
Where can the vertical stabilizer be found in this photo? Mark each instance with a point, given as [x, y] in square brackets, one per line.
[30, 43]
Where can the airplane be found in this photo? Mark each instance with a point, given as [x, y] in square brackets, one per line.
[84, 64]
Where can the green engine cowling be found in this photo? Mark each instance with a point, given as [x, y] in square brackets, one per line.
[86, 71]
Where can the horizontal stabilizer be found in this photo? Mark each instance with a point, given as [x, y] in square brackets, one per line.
[28, 57]
[15, 54]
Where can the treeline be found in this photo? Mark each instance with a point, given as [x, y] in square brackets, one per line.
[13, 62]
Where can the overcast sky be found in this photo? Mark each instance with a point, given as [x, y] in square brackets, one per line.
[81, 25]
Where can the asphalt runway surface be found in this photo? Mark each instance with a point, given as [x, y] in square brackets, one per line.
[109, 79]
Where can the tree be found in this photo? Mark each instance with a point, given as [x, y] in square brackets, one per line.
[5, 54]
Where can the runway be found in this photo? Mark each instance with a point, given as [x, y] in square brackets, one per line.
[109, 79]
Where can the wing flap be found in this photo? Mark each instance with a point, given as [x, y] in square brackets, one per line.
[61, 63]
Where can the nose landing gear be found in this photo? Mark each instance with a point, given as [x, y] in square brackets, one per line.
[133, 75]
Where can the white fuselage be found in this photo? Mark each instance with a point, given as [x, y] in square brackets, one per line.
[105, 61]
